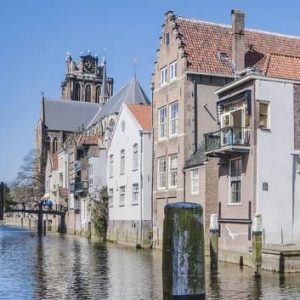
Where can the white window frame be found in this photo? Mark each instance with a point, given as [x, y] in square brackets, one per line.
[268, 114]
[111, 166]
[173, 171]
[122, 195]
[195, 181]
[163, 75]
[135, 194]
[111, 197]
[173, 70]
[162, 173]
[235, 179]
[135, 157]
[173, 120]
[122, 161]
[162, 126]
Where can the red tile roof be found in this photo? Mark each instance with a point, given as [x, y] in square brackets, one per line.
[143, 114]
[202, 41]
[282, 66]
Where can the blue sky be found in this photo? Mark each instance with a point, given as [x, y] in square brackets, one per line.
[36, 34]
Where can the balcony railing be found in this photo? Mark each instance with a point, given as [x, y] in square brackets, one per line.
[232, 139]
[79, 186]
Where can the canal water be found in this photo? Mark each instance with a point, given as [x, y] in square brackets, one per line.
[68, 267]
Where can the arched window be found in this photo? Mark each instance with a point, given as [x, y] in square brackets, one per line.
[111, 125]
[122, 162]
[77, 92]
[54, 145]
[97, 94]
[88, 93]
[135, 161]
[111, 165]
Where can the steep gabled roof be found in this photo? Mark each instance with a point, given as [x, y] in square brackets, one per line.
[143, 114]
[202, 41]
[132, 92]
[68, 115]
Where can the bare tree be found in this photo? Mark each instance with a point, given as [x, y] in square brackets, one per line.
[30, 181]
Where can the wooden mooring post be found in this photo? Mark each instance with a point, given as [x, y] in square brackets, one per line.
[183, 252]
[40, 220]
[214, 241]
[257, 244]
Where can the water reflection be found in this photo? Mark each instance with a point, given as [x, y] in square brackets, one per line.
[39, 273]
[67, 267]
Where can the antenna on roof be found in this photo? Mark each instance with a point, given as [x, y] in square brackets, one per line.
[134, 67]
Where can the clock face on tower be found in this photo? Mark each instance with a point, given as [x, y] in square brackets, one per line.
[89, 66]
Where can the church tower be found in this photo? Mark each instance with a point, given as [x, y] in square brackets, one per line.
[86, 80]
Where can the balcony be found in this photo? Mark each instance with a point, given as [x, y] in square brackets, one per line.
[226, 141]
[79, 187]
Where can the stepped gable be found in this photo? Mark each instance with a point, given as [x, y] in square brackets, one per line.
[68, 115]
[202, 41]
[143, 114]
[132, 92]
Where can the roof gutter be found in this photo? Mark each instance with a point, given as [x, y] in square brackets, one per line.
[250, 77]
[208, 74]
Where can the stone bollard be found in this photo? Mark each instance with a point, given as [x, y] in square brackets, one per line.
[257, 244]
[183, 252]
[214, 241]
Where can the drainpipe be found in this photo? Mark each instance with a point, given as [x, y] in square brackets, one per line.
[195, 113]
[152, 165]
[141, 190]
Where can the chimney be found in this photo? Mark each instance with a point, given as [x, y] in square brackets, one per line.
[238, 39]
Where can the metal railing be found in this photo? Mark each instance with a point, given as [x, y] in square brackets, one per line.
[227, 136]
[79, 186]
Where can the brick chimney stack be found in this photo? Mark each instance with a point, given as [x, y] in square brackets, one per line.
[238, 39]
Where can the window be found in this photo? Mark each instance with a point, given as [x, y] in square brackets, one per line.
[111, 125]
[173, 118]
[195, 181]
[162, 122]
[167, 38]
[162, 172]
[122, 196]
[111, 166]
[135, 193]
[88, 93]
[55, 141]
[173, 170]
[111, 197]
[97, 94]
[77, 92]
[163, 76]
[122, 162]
[90, 181]
[173, 70]
[235, 180]
[263, 115]
[135, 163]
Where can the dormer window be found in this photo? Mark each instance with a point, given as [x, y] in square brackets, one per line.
[163, 76]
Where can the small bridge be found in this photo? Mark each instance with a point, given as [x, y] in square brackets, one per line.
[41, 210]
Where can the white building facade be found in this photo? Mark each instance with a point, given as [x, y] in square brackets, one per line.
[129, 177]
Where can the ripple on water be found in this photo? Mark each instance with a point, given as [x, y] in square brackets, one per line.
[67, 267]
